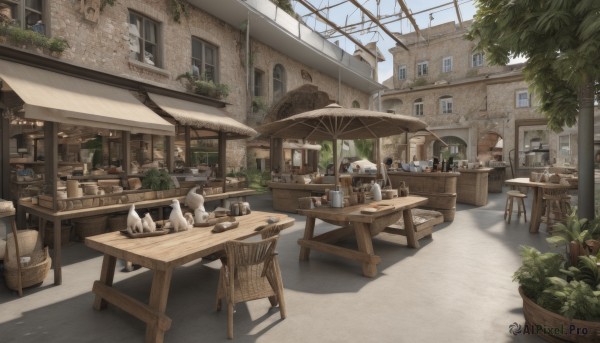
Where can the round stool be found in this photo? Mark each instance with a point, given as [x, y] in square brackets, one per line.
[510, 196]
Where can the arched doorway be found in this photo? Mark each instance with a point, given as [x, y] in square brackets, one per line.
[489, 147]
[457, 148]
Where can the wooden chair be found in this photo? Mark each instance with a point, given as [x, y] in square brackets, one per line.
[508, 209]
[251, 272]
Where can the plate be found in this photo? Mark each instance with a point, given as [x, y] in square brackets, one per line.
[215, 221]
[158, 232]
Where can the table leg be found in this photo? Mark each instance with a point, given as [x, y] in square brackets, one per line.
[309, 231]
[365, 245]
[409, 229]
[536, 210]
[159, 294]
[106, 277]
[56, 258]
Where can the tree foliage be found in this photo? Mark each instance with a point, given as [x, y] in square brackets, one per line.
[560, 38]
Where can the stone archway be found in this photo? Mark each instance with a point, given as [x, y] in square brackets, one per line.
[302, 99]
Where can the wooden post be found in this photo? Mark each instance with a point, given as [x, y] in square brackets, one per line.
[126, 152]
[222, 158]
[51, 160]
[4, 158]
[170, 153]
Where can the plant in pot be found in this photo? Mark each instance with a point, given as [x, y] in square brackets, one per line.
[157, 180]
[579, 236]
[561, 296]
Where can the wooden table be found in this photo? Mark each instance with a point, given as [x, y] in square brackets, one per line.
[538, 192]
[363, 226]
[162, 254]
[56, 217]
[286, 195]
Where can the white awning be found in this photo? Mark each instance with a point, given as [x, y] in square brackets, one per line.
[202, 116]
[70, 100]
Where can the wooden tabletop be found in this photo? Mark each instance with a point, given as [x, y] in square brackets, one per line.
[174, 249]
[354, 214]
[525, 182]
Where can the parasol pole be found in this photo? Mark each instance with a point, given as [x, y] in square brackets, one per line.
[336, 170]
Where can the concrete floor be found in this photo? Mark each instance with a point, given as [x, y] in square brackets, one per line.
[456, 288]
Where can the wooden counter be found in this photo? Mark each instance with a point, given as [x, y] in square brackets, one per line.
[285, 195]
[439, 188]
[472, 187]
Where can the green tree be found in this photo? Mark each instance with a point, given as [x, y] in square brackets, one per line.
[561, 40]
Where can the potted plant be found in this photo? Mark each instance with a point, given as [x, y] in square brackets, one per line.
[159, 181]
[561, 296]
[579, 236]
[204, 87]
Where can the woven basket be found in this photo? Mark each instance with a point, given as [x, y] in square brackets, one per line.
[90, 226]
[117, 222]
[566, 328]
[36, 270]
[65, 235]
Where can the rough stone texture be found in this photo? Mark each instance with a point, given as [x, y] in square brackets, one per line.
[105, 46]
[484, 98]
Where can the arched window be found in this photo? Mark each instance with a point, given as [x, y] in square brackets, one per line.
[418, 107]
[278, 82]
[355, 104]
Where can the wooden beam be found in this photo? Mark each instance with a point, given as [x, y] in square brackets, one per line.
[330, 23]
[458, 13]
[409, 16]
[376, 21]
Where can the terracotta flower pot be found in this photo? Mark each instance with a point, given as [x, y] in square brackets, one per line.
[552, 327]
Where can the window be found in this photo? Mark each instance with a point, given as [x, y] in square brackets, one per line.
[278, 82]
[446, 104]
[355, 104]
[402, 72]
[522, 98]
[422, 68]
[26, 14]
[258, 82]
[204, 60]
[143, 39]
[447, 64]
[418, 107]
[477, 59]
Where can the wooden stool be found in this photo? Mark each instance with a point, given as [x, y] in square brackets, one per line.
[557, 206]
[510, 196]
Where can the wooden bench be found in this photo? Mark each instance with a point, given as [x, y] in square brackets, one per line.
[424, 221]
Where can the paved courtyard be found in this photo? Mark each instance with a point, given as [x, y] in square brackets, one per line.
[456, 288]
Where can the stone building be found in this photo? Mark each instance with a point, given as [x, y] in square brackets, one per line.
[254, 48]
[482, 112]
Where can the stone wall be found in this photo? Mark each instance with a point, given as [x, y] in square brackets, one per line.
[104, 46]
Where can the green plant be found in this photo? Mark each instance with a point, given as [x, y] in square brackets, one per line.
[178, 8]
[536, 268]
[157, 180]
[107, 2]
[205, 87]
[572, 235]
[19, 36]
[575, 299]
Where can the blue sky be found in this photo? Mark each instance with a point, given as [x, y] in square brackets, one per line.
[440, 11]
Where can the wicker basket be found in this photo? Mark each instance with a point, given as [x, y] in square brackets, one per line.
[536, 315]
[36, 270]
[89, 226]
[65, 235]
[117, 222]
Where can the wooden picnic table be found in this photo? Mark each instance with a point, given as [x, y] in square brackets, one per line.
[57, 217]
[162, 254]
[537, 206]
[364, 226]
